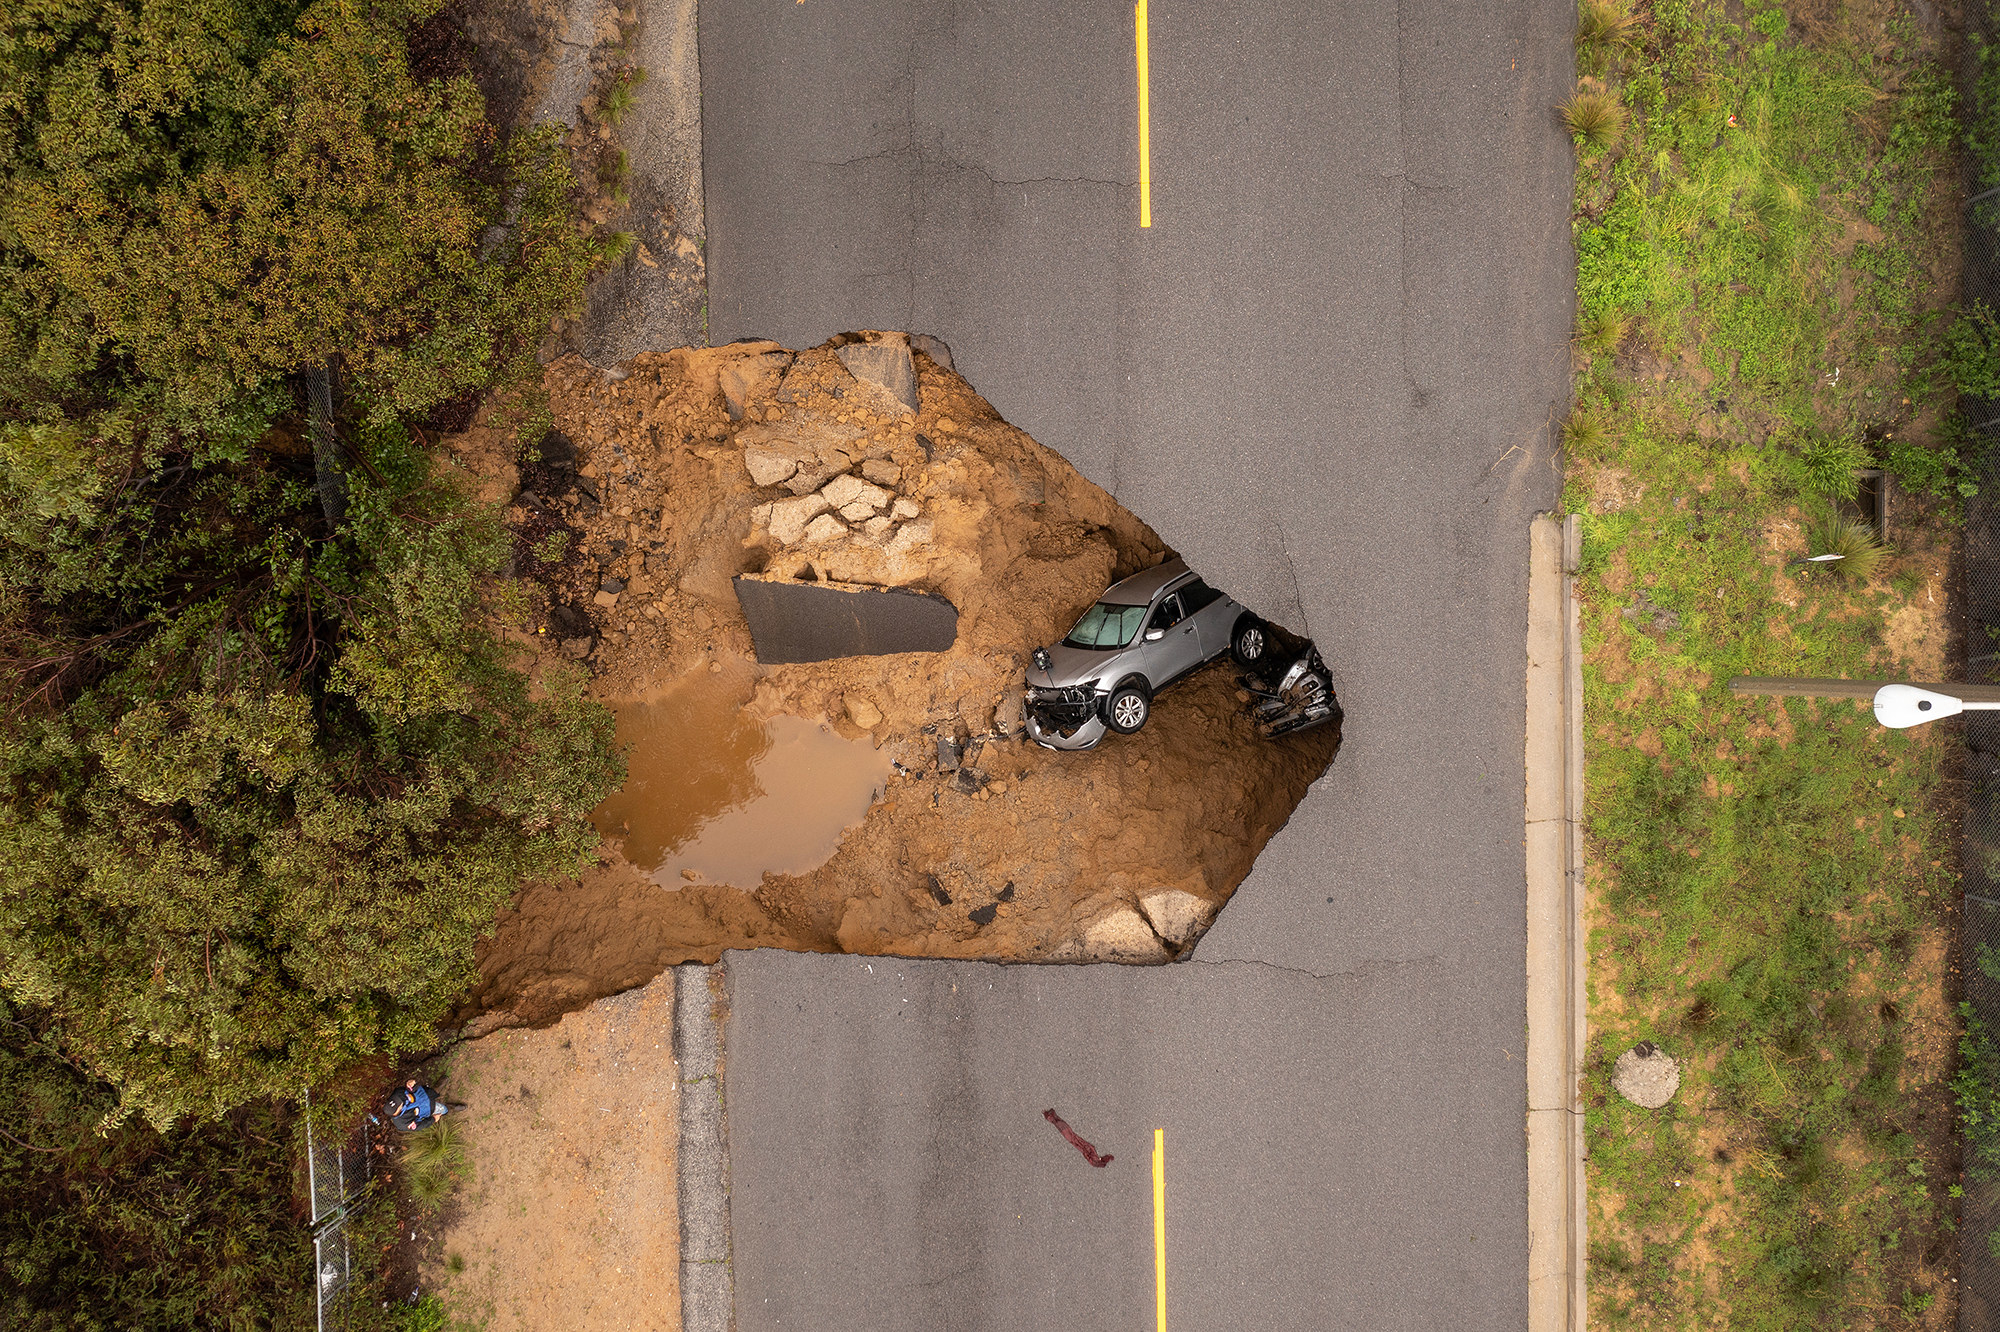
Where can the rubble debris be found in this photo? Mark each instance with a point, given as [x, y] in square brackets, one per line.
[814, 621]
[884, 363]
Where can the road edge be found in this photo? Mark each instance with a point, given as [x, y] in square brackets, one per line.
[701, 1163]
[1557, 945]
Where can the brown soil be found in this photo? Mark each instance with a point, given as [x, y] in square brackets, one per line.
[570, 1220]
[1036, 855]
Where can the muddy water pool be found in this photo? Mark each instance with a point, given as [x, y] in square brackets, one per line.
[711, 790]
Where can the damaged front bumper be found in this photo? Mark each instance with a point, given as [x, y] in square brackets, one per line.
[1062, 719]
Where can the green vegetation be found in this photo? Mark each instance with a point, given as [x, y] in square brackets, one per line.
[265, 776]
[134, 1227]
[1767, 876]
[434, 1162]
[1859, 550]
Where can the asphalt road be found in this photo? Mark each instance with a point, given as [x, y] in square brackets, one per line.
[1328, 375]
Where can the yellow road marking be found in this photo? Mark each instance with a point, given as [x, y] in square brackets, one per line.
[1159, 1175]
[1145, 179]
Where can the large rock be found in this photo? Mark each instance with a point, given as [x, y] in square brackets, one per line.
[789, 517]
[1122, 935]
[1177, 916]
[909, 537]
[932, 347]
[1646, 1075]
[881, 471]
[826, 527]
[844, 491]
[886, 365]
[767, 467]
[750, 378]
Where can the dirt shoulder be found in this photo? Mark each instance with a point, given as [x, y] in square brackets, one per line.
[570, 1220]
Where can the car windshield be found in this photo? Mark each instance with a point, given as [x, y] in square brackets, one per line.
[1106, 626]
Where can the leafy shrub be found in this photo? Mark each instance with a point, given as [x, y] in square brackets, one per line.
[434, 1161]
[1827, 464]
[132, 1227]
[1971, 358]
[1605, 27]
[1855, 542]
[1612, 257]
[1976, 1088]
[1596, 120]
[1940, 470]
[263, 779]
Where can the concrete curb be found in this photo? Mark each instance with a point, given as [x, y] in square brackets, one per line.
[1557, 944]
[701, 1166]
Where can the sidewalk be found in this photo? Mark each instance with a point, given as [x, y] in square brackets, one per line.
[1557, 943]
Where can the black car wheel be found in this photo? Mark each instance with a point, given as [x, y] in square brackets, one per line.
[1127, 709]
[1249, 642]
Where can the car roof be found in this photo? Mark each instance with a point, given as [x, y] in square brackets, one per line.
[1141, 588]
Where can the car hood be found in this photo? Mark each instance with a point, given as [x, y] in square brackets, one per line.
[1072, 666]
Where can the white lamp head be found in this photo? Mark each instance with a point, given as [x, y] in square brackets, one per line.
[1901, 705]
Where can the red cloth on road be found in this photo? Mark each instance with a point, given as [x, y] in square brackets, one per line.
[1089, 1152]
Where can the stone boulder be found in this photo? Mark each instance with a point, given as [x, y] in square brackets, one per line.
[767, 466]
[749, 378]
[884, 364]
[790, 517]
[1122, 935]
[1177, 916]
[826, 527]
[1646, 1076]
[845, 491]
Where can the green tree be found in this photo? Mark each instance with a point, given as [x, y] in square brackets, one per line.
[202, 195]
[263, 780]
[134, 1227]
[260, 793]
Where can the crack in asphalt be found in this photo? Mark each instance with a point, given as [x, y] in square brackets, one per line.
[1368, 970]
[1298, 592]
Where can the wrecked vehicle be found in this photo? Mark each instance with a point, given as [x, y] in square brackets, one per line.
[1289, 689]
[1141, 635]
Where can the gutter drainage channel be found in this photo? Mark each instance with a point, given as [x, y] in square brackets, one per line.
[701, 1165]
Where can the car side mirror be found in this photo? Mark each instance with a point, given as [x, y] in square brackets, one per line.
[1155, 635]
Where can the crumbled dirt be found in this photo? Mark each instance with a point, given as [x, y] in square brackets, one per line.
[570, 1220]
[1029, 855]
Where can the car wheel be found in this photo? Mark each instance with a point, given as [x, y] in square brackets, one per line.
[1249, 641]
[1127, 709]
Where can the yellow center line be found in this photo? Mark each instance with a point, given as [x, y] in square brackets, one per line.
[1159, 1170]
[1145, 178]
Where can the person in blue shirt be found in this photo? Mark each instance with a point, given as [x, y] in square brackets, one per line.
[415, 1106]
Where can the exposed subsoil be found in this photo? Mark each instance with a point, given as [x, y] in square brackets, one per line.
[632, 519]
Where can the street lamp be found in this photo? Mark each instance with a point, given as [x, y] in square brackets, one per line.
[1903, 705]
[1897, 705]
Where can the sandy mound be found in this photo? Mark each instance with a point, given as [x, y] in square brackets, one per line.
[682, 471]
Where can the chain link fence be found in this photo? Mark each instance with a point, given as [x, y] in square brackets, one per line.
[337, 1170]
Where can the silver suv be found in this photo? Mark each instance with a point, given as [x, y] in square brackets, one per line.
[1141, 636]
